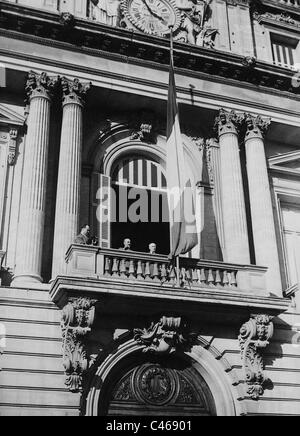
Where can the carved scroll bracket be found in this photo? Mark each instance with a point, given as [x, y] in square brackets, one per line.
[78, 317]
[254, 338]
[164, 337]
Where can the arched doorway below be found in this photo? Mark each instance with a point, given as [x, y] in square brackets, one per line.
[168, 386]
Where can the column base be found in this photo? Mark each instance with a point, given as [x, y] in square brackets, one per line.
[24, 279]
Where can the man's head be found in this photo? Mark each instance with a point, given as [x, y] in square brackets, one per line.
[152, 248]
[85, 230]
[127, 244]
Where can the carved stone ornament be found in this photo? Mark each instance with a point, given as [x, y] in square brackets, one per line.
[279, 18]
[67, 19]
[195, 28]
[12, 146]
[254, 338]
[228, 122]
[74, 91]
[256, 126]
[164, 337]
[77, 319]
[145, 130]
[39, 85]
[249, 62]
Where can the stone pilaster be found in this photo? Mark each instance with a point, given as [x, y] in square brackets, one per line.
[69, 172]
[232, 194]
[32, 210]
[213, 157]
[266, 250]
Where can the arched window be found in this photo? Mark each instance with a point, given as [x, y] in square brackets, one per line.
[139, 209]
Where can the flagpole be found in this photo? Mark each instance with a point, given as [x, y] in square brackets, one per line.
[177, 260]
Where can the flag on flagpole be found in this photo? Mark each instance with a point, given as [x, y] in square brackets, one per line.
[183, 229]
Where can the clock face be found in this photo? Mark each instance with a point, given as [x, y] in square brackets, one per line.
[153, 16]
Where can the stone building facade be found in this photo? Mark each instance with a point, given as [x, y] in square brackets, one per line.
[95, 330]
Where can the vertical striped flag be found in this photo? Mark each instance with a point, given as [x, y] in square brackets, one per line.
[183, 229]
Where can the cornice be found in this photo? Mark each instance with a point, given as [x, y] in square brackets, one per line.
[279, 20]
[21, 22]
[279, 6]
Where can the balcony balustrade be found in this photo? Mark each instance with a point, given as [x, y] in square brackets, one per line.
[142, 268]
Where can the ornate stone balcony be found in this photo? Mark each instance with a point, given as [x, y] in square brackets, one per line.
[96, 271]
[99, 263]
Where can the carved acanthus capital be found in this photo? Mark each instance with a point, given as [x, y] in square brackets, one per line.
[77, 319]
[256, 126]
[228, 122]
[254, 338]
[74, 91]
[12, 145]
[164, 337]
[39, 85]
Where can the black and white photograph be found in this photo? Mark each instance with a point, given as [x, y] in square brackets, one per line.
[149, 211]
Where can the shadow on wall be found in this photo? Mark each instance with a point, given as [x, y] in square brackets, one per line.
[210, 246]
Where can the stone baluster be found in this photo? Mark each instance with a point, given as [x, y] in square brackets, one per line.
[263, 226]
[39, 88]
[69, 172]
[233, 203]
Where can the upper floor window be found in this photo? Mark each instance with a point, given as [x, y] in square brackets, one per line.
[284, 50]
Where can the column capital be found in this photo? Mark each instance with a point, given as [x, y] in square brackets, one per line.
[74, 91]
[39, 85]
[256, 126]
[228, 122]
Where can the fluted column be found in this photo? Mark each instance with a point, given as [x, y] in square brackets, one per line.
[264, 236]
[69, 173]
[32, 208]
[232, 193]
[213, 158]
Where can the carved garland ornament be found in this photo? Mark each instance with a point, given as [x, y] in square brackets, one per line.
[12, 145]
[164, 337]
[254, 338]
[77, 319]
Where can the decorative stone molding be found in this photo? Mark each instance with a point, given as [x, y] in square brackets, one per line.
[77, 319]
[256, 126]
[164, 337]
[12, 145]
[254, 338]
[228, 122]
[40, 24]
[238, 2]
[39, 85]
[209, 145]
[74, 91]
[282, 18]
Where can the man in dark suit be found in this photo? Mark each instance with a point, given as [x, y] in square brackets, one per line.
[84, 236]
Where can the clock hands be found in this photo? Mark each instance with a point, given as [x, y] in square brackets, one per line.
[152, 11]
